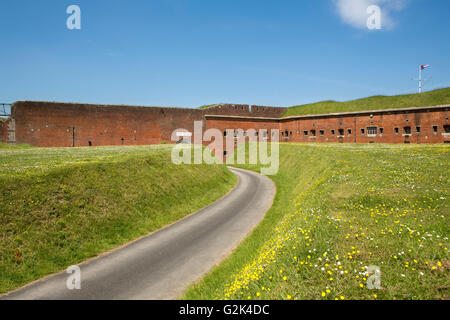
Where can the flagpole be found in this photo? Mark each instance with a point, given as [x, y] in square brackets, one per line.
[420, 79]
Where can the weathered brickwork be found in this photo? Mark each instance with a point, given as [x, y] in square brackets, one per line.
[51, 124]
[413, 125]
[7, 131]
[4, 130]
[420, 125]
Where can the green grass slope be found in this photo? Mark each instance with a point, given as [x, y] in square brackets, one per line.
[10, 146]
[62, 206]
[340, 209]
[208, 106]
[431, 98]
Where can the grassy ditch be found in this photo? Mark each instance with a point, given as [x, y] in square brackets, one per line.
[339, 211]
[60, 206]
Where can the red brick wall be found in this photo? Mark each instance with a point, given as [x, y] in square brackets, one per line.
[50, 124]
[4, 130]
[242, 124]
[351, 125]
[303, 130]
[66, 125]
[347, 128]
[425, 120]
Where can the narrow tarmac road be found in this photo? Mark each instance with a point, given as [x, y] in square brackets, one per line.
[162, 265]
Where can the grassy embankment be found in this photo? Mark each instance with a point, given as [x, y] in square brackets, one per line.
[338, 210]
[62, 206]
[207, 106]
[4, 146]
[431, 98]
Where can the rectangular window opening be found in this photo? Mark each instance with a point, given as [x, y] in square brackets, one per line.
[447, 128]
[372, 131]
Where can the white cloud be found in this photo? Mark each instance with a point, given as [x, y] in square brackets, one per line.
[354, 12]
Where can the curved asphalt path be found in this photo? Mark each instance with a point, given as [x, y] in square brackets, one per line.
[161, 266]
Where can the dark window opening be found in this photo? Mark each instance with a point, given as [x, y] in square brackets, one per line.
[372, 131]
[397, 130]
[282, 134]
[381, 130]
[341, 132]
[305, 133]
[90, 143]
[313, 133]
[447, 128]
[363, 131]
[407, 130]
[290, 133]
[418, 129]
[225, 153]
[332, 132]
[407, 142]
[349, 131]
[322, 132]
[435, 129]
[122, 139]
[224, 133]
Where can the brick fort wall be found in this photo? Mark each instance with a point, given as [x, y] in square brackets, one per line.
[53, 124]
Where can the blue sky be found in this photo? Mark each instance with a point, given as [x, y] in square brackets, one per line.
[196, 52]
